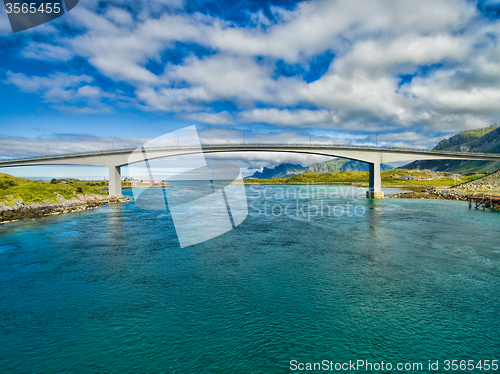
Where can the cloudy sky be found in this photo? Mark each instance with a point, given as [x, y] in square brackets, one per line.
[338, 72]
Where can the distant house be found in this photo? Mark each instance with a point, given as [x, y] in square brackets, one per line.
[407, 177]
[153, 182]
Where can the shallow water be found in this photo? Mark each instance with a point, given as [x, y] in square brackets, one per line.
[110, 290]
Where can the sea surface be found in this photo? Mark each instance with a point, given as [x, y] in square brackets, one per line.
[334, 277]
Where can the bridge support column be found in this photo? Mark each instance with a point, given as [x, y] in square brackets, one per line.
[375, 186]
[115, 181]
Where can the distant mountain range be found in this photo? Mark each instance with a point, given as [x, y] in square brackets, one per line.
[485, 140]
[281, 171]
[289, 170]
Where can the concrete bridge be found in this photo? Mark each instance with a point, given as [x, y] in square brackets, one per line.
[374, 156]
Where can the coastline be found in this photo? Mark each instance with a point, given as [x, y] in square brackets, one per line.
[457, 193]
[356, 184]
[81, 202]
[21, 211]
[446, 194]
[485, 188]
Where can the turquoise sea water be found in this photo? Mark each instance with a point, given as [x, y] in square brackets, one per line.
[111, 291]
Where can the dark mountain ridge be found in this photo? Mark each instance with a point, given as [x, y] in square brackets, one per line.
[281, 171]
[465, 139]
[289, 170]
[486, 140]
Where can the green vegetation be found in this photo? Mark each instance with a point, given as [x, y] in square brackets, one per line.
[13, 188]
[389, 178]
[457, 166]
[476, 166]
[486, 140]
[341, 164]
[464, 137]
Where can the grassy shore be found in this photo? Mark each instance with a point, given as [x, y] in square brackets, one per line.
[391, 178]
[38, 192]
[13, 190]
[27, 199]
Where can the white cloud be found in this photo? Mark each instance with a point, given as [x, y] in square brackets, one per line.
[47, 52]
[119, 17]
[407, 139]
[172, 100]
[218, 135]
[67, 92]
[289, 118]
[89, 91]
[250, 162]
[222, 118]
[316, 26]
[19, 147]
[227, 77]
[51, 83]
[476, 100]
[410, 50]
[373, 41]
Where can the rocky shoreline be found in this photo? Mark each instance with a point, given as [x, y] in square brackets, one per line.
[432, 193]
[486, 186]
[20, 210]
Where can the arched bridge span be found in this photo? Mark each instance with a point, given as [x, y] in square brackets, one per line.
[114, 160]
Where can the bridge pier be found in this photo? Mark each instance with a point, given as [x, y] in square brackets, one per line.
[115, 181]
[375, 185]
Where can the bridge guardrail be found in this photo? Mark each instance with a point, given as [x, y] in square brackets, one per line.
[90, 153]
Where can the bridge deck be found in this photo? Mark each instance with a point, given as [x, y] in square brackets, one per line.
[264, 147]
[374, 156]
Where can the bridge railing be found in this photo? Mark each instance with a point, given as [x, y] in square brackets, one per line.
[121, 150]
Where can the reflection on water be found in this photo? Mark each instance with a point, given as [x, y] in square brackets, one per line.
[373, 211]
[110, 289]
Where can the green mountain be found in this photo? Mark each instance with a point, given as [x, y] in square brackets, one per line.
[281, 171]
[461, 140]
[485, 140]
[341, 164]
[337, 165]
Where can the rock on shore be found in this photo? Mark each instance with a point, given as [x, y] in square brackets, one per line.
[488, 185]
[489, 182]
[20, 210]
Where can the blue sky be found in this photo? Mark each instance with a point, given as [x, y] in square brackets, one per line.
[279, 71]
